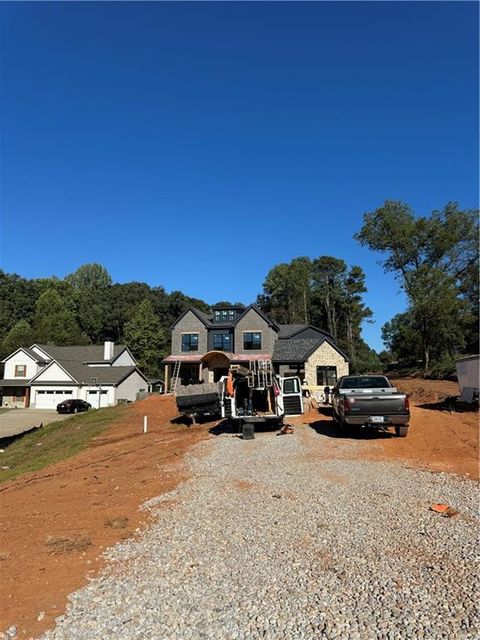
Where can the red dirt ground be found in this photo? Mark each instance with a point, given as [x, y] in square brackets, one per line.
[437, 439]
[95, 496]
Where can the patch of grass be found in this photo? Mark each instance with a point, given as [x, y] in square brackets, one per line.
[67, 545]
[56, 441]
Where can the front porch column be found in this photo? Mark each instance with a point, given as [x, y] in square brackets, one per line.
[166, 376]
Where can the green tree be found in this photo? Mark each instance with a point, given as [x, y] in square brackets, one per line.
[432, 257]
[328, 277]
[90, 276]
[20, 335]
[402, 338]
[325, 293]
[354, 312]
[146, 338]
[54, 322]
[88, 294]
[286, 292]
[17, 301]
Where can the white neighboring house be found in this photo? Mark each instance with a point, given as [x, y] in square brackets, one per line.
[43, 375]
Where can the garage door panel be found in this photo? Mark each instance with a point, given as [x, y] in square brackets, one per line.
[49, 399]
[92, 398]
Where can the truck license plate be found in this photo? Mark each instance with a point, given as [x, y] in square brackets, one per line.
[377, 418]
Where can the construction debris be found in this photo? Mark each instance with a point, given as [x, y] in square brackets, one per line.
[444, 510]
[287, 428]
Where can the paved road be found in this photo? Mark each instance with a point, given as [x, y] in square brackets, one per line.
[17, 421]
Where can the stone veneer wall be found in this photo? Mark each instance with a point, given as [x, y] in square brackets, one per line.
[325, 356]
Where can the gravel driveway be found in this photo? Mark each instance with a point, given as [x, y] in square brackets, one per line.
[285, 537]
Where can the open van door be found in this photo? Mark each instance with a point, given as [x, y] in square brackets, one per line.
[291, 396]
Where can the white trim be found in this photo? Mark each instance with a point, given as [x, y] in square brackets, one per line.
[42, 371]
[25, 352]
[122, 352]
[48, 356]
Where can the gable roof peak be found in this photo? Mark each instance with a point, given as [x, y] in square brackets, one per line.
[261, 313]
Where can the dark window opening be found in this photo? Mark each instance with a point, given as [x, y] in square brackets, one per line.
[326, 376]
[222, 342]
[190, 342]
[252, 341]
[189, 374]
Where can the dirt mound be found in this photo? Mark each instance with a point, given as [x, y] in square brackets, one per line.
[422, 391]
[57, 521]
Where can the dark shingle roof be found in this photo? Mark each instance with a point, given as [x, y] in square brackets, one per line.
[87, 353]
[83, 374]
[34, 355]
[295, 350]
[286, 330]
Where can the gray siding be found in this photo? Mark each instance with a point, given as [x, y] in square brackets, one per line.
[189, 324]
[252, 321]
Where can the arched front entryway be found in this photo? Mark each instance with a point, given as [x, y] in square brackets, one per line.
[215, 364]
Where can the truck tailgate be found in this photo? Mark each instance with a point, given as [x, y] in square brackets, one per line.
[373, 405]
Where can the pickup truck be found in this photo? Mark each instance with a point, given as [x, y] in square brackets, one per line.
[369, 401]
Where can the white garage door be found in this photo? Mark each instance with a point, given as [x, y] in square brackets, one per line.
[49, 399]
[92, 398]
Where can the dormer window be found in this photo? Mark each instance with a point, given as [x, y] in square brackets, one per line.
[20, 371]
[224, 315]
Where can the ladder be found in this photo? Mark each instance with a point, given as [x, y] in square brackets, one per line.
[260, 374]
[266, 371]
[175, 376]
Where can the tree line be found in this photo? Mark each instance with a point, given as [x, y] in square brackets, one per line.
[86, 307]
[326, 293]
[435, 259]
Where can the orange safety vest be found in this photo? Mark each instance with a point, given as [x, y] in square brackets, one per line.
[230, 385]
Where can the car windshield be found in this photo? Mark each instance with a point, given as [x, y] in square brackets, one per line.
[364, 382]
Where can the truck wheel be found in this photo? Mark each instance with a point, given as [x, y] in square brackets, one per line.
[401, 431]
[341, 426]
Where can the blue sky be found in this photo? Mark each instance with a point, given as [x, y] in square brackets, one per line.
[196, 145]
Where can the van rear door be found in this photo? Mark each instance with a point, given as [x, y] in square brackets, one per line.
[292, 396]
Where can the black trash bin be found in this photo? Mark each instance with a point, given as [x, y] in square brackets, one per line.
[248, 431]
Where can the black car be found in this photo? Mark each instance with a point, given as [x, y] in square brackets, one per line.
[73, 406]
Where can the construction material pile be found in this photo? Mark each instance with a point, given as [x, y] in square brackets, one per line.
[197, 389]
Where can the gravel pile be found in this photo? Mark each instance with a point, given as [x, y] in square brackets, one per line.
[267, 540]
